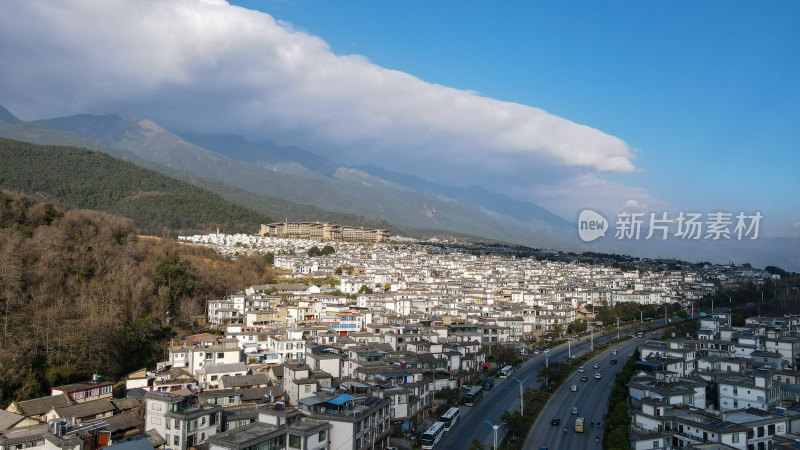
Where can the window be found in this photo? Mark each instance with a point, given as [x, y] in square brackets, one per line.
[220, 355]
[656, 444]
[176, 440]
[735, 438]
[295, 441]
[214, 377]
[771, 429]
[203, 420]
[308, 388]
[760, 431]
[323, 435]
[168, 422]
[212, 419]
[209, 355]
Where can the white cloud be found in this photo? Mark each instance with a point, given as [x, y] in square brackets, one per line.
[211, 67]
[571, 195]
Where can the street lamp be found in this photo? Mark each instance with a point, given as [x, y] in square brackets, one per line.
[495, 427]
[521, 403]
[617, 326]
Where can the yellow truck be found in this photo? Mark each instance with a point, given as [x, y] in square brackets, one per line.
[579, 425]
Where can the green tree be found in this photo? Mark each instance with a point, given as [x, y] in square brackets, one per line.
[578, 326]
[618, 438]
[327, 250]
[365, 290]
[476, 445]
[177, 276]
[269, 258]
[314, 251]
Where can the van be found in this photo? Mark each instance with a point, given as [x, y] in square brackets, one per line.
[579, 425]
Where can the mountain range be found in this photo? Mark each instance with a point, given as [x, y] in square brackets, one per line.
[266, 169]
[289, 183]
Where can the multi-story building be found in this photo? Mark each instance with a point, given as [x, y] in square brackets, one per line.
[182, 424]
[211, 351]
[323, 232]
[737, 391]
[86, 391]
[356, 423]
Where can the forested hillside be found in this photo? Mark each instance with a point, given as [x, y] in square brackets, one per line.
[80, 293]
[80, 178]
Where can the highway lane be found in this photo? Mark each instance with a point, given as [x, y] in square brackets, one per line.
[591, 400]
[505, 395]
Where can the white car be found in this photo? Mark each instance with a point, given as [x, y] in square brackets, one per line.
[547, 350]
[581, 369]
[574, 388]
[596, 366]
[597, 376]
[614, 352]
[536, 352]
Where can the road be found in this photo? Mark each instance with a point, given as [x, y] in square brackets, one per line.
[591, 400]
[505, 394]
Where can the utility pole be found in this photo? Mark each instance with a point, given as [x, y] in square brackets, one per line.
[521, 403]
[495, 427]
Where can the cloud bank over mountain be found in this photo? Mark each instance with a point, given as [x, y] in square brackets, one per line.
[215, 68]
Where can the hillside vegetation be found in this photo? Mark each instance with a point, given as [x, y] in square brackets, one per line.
[81, 178]
[81, 293]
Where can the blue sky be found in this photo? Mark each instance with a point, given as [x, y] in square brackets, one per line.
[707, 92]
[652, 106]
